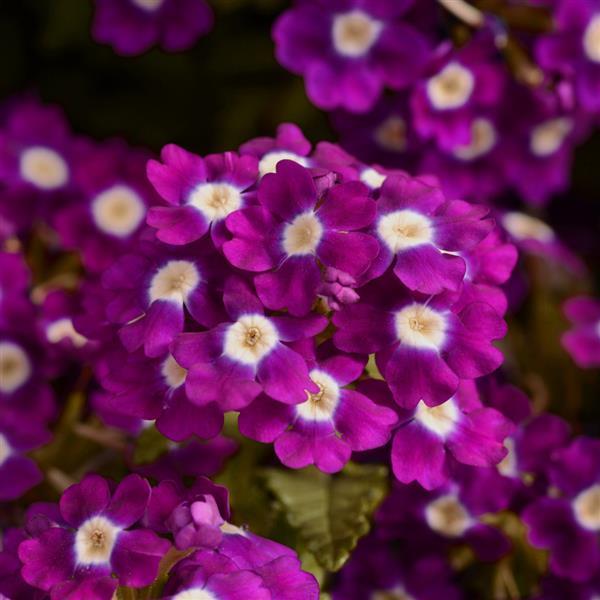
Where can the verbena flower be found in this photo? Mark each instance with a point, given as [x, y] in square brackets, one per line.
[348, 50]
[583, 340]
[133, 26]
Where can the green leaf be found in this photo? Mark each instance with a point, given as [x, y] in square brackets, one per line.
[329, 512]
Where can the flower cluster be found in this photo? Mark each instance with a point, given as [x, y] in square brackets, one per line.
[98, 538]
[452, 112]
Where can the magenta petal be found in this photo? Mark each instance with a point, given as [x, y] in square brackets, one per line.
[97, 588]
[183, 419]
[18, 474]
[191, 348]
[239, 298]
[181, 172]
[293, 286]
[418, 455]
[284, 375]
[239, 585]
[344, 368]
[362, 423]
[85, 499]
[330, 453]
[162, 323]
[294, 450]
[265, 420]
[177, 225]
[136, 557]
[129, 501]
[426, 270]
[288, 192]
[347, 207]
[291, 329]
[349, 252]
[48, 559]
[225, 382]
[415, 375]
[363, 329]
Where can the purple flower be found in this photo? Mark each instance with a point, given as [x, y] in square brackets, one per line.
[133, 26]
[383, 135]
[329, 425]
[425, 234]
[232, 363]
[378, 571]
[473, 170]
[93, 537]
[19, 473]
[583, 341]
[15, 279]
[201, 193]
[154, 389]
[573, 48]
[423, 346]
[151, 290]
[193, 516]
[11, 583]
[448, 516]
[536, 158]
[568, 524]
[348, 50]
[288, 144]
[461, 429]
[116, 195]
[462, 85]
[293, 228]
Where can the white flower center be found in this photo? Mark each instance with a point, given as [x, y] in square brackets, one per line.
[173, 373]
[447, 516]
[374, 179]
[15, 367]
[419, 326]
[302, 235]
[94, 541]
[391, 134]
[118, 211]
[4, 449]
[441, 419]
[404, 229]
[321, 405]
[249, 339]
[524, 227]
[548, 137]
[195, 594]
[44, 168]
[354, 33]
[268, 163]
[483, 139]
[215, 200]
[508, 465]
[451, 87]
[591, 39]
[587, 508]
[396, 593]
[175, 281]
[62, 329]
[149, 5]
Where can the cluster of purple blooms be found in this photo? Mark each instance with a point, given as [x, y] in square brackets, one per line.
[400, 94]
[337, 307]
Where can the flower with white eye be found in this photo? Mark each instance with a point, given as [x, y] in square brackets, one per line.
[294, 231]
[572, 512]
[464, 84]
[200, 193]
[447, 516]
[232, 363]
[424, 347]
[349, 51]
[458, 430]
[95, 538]
[151, 292]
[15, 367]
[548, 137]
[423, 234]
[118, 211]
[331, 422]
